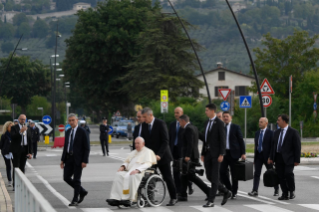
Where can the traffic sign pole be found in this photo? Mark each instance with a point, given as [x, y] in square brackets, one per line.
[290, 91]
[245, 124]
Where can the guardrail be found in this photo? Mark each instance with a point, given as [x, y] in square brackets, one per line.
[27, 197]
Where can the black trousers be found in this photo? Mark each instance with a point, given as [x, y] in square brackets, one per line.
[35, 148]
[224, 177]
[285, 174]
[19, 160]
[165, 170]
[104, 145]
[186, 178]
[8, 167]
[71, 169]
[259, 162]
[212, 173]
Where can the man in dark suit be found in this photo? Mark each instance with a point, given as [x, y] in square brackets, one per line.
[35, 137]
[138, 128]
[263, 144]
[104, 136]
[235, 149]
[213, 153]
[190, 154]
[21, 144]
[75, 158]
[285, 153]
[154, 132]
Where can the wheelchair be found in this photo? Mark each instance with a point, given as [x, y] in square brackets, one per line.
[151, 191]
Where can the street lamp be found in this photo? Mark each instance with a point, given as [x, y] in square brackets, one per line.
[41, 108]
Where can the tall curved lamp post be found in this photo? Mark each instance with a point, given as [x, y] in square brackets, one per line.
[250, 58]
[193, 47]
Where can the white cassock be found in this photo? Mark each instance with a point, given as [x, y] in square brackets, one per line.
[125, 186]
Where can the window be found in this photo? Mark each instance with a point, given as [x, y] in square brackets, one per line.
[241, 90]
[217, 94]
[221, 76]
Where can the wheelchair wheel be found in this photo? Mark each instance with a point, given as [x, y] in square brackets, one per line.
[155, 190]
[141, 202]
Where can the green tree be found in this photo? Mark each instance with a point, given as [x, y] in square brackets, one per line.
[51, 40]
[7, 47]
[24, 29]
[281, 58]
[166, 61]
[9, 6]
[1, 6]
[40, 29]
[19, 18]
[6, 31]
[24, 80]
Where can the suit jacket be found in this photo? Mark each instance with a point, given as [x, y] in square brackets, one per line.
[172, 137]
[103, 132]
[5, 144]
[236, 142]
[190, 138]
[135, 134]
[216, 138]
[81, 146]
[266, 145]
[158, 140]
[16, 140]
[291, 146]
[35, 134]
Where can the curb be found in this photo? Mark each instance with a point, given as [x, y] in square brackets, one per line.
[5, 200]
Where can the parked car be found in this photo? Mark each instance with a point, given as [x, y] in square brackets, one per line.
[121, 129]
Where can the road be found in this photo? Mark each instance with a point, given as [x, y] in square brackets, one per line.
[45, 173]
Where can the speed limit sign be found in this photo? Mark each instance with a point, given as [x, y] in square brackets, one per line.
[267, 100]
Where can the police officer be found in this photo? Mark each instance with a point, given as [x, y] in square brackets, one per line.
[35, 137]
[86, 127]
[104, 137]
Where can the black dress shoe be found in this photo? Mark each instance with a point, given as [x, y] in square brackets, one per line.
[253, 193]
[234, 196]
[226, 197]
[190, 191]
[82, 196]
[182, 199]
[276, 193]
[113, 202]
[292, 195]
[73, 203]
[126, 203]
[172, 202]
[283, 197]
[220, 194]
[208, 204]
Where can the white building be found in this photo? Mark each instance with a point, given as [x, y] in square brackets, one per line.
[225, 78]
[81, 6]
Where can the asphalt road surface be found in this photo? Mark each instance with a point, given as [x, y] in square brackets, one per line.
[46, 175]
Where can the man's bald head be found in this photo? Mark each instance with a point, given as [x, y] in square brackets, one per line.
[263, 122]
[178, 112]
[22, 118]
[139, 143]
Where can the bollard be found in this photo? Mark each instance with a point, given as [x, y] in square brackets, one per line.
[46, 139]
[110, 139]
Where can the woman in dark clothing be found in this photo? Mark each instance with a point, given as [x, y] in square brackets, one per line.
[5, 146]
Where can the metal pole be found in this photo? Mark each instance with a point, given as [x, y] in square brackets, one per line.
[265, 112]
[54, 76]
[250, 58]
[199, 63]
[4, 74]
[245, 125]
[290, 101]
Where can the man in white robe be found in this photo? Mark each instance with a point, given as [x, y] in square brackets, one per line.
[130, 174]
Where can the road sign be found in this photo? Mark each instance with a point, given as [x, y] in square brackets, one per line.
[315, 106]
[67, 127]
[224, 92]
[110, 130]
[61, 128]
[245, 102]
[39, 127]
[164, 95]
[46, 119]
[267, 100]
[225, 106]
[49, 129]
[266, 88]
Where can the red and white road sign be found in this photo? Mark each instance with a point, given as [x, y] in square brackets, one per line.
[61, 128]
[267, 100]
[164, 104]
[224, 92]
[266, 88]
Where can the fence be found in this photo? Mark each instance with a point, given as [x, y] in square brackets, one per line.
[27, 197]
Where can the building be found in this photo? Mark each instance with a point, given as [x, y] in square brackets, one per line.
[81, 6]
[8, 16]
[225, 78]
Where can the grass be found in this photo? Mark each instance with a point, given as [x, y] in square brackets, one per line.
[312, 147]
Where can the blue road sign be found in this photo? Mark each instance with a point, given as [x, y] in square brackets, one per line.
[225, 106]
[46, 119]
[67, 127]
[111, 130]
[245, 102]
[314, 106]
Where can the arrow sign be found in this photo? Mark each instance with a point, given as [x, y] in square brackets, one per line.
[224, 92]
[111, 130]
[225, 106]
[49, 129]
[266, 88]
[39, 127]
[67, 127]
[47, 119]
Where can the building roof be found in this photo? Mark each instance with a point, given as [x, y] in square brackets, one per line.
[225, 69]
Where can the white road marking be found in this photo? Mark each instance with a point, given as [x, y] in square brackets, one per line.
[304, 168]
[51, 155]
[315, 177]
[311, 206]
[267, 208]
[266, 198]
[96, 210]
[155, 209]
[215, 209]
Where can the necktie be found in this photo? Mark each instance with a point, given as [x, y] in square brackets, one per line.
[260, 141]
[71, 142]
[209, 126]
[177, 130]
[226, 129]
[280, 141]
[149, 128]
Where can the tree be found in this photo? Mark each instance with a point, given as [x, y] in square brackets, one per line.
[281, 58]
[40, 29]
[25, 79]
[9, 5]
[24, 29]
[6, 31]
[19, 18]
[50, 43]
[166, 61]
[7, 47]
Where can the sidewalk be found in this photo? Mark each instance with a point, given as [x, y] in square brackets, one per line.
[6, 193]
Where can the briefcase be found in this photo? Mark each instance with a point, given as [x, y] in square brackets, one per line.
[270, 178]
[244, 170]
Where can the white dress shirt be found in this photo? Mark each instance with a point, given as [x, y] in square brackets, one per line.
[283, 137]
[74, 132]
[24, 134]
[213, 119]
[140, 131]
[227, 135]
